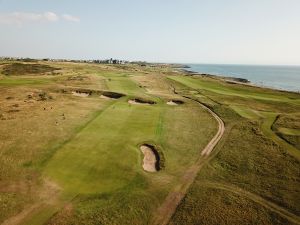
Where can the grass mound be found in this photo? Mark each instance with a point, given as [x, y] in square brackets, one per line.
[287, 127]
[19, 69]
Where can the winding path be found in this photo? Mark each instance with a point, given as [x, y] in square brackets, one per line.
[167, 209]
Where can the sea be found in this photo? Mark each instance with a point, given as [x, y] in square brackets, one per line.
[276, 77]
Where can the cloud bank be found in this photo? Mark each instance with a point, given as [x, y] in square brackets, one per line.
[20, 18]
[70, 18]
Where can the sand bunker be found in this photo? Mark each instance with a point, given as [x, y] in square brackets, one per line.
[111, 95]
[175, 102]
[81, 93]
[138, 101]
[151, 158]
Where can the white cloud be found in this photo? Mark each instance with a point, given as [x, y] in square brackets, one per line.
[50, 16]
[70, 18]
[20, 18]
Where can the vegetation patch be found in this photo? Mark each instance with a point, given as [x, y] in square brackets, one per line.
[78, 78]
[19, 69]
[291, 121]
[39, 96]
[11, 203]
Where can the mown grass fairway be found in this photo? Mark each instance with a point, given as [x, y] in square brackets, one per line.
[100, 164]
[70, 155]
[104, 155]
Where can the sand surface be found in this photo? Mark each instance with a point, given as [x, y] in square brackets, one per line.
[149, 160]
[80, 94]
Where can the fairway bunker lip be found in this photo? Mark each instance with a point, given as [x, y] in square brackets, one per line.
[81, 93]
[89, 92]
[151, 161]
[140, 101]
[175, 102]
[111, 95]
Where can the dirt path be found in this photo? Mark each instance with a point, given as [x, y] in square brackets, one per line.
[165, 212]
[48, 197]
[256, 198]
[17, 219]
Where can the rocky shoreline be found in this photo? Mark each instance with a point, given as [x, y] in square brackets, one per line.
[234, 79]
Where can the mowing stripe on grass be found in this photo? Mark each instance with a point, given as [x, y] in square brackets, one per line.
[90, 163]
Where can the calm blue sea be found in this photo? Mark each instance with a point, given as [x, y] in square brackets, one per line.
[279, 77]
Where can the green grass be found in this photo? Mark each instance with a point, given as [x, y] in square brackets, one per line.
[289, 131]
[254, 164]
[206, 205]
[98, 164]
[91, 162]
[251, 157]
[266, 128]
[41, 216]
[104, 159]
[246, 112]
[22, 81]
[225, 89]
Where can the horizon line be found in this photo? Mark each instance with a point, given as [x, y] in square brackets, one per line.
[157, 62]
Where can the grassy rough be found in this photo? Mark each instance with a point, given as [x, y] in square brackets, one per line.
[19, 69]
[212, 206]
[247, 159]
[11, 203]
[254, 164]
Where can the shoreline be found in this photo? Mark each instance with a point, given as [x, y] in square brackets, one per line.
[233, 80]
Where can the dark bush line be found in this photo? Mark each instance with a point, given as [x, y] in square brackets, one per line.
[25, 69]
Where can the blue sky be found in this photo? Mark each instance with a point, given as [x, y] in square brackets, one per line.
[187, 31]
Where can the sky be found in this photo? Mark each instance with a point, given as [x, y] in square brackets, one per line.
[180, 31]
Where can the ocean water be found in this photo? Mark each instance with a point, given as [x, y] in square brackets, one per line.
[278, 77]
